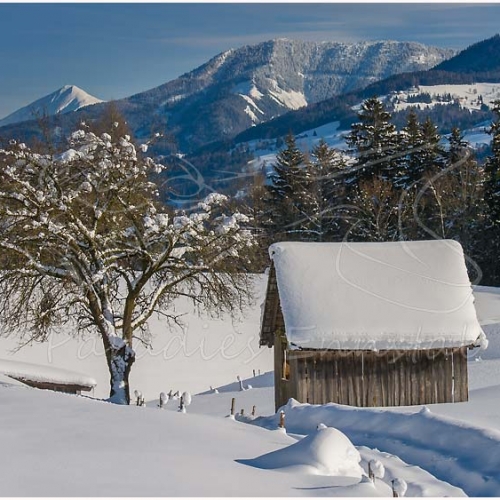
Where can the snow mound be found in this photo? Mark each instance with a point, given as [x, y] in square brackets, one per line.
[326, 452]
[448, 448]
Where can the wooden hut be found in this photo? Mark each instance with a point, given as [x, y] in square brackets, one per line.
[370, 324]
[47, 377]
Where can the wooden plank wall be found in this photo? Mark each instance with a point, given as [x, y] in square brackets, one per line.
[368, 378]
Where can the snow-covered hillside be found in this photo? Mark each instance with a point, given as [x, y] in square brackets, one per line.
[470, 96]
[205, 351]
[66, 99]
[100, 449]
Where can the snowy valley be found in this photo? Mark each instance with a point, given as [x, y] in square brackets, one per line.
[158, 340]
[101, 449]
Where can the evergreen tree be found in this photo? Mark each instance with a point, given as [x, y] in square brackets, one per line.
[491, 235]
[411, 167]
[492, 169]
[432, 156]
[373, 140]
[288, 195]
[327, 196]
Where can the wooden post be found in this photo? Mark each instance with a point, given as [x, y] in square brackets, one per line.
[233, 401]
[282, 420]
[253, 411]
[371, 475]
[399, 487]
[181, 405]
[242, 412]
[254, 373]
[241, 383]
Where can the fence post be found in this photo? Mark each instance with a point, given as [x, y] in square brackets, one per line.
[253, 411]
[233, 402]
[282, 420]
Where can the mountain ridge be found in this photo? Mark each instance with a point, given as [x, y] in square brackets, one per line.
[240, 88]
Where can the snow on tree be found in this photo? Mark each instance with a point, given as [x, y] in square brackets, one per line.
[87, 245]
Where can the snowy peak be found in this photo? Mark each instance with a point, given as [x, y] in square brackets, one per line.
[64, 100]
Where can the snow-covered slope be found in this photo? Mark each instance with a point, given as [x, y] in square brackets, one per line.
[471, 96]
[205, 351]
[66, 99]
[65, 445]
[101, 449]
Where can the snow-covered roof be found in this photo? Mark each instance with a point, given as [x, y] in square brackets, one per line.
[40, 373]
[396, 295]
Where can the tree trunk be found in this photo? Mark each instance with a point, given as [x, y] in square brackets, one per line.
[120, 362]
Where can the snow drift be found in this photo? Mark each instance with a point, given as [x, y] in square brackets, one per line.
[326, 451]
[452, 450]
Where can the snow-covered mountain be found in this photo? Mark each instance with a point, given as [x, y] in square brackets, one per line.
[66, 99]
[240, 88]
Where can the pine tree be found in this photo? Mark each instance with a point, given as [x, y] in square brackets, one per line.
[491, 234]
[374, 141]
[411, 167]
[288, 195]
[432, 156]
[327, 198]
[492, 169]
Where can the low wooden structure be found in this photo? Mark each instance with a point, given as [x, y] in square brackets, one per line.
[421, 359]
[55, 386]
[47, 377]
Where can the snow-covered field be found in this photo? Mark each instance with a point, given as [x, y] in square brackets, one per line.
[470, 96]
[65, 445]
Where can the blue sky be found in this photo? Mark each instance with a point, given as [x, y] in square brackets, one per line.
[116, 50]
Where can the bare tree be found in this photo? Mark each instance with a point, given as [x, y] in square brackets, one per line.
[86, 245]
